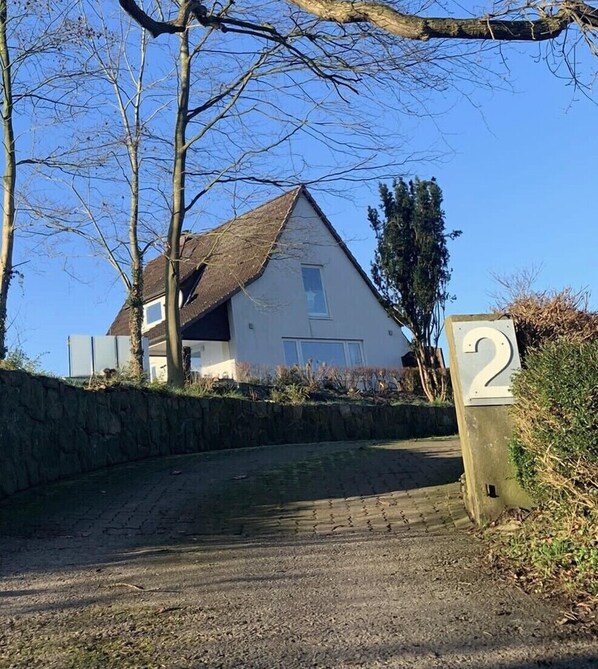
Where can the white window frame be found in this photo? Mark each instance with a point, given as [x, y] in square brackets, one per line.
[162, 302]
[345, 342]
[325, 314]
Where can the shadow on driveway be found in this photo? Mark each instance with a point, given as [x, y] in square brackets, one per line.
[150, 501]
[331, 555]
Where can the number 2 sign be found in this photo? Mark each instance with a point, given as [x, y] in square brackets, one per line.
[487, 356]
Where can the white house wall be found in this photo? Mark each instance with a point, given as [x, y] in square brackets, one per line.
[274, 307]
[216, 359]
[158, 367]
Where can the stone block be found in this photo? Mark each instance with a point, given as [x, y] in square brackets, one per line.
[8, 480]
[69, 465]
[54, 405]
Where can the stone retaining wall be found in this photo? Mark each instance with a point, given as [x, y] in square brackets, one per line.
[50, 430]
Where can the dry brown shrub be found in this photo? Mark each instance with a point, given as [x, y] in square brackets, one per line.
[200, 386]
[543, 317]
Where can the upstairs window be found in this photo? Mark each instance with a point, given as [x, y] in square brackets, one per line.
[314, 291]
[153, 313]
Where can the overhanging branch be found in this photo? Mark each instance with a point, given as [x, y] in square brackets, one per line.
[411, 26]
[390, 20]
[156, 28]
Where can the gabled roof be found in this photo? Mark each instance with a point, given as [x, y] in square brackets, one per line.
[219, 263]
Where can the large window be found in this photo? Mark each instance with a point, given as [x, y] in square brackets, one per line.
[330, 352]
[314, 291]
[323, 351]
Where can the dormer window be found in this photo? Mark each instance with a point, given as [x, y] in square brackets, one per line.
[153, 313]
[314, 291]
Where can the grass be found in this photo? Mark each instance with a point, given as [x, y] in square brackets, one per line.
[555, 554]
[293, 393]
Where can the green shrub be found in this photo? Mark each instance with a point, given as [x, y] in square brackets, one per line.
[291, 393]
[555, 438]
[112, 378]
[555, 452]
[17, 359]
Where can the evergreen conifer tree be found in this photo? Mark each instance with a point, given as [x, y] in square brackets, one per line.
[411, 269]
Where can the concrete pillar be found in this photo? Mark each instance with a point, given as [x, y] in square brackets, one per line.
[483, 356]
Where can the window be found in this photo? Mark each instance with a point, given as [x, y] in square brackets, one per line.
[355, 354]
[323, 351]
[291, 357]
[329, 352]
[153, 313]
[314, 291]
[196, 361]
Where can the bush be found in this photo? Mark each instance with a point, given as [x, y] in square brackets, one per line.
[543, 317]
[291, 393]
[17, 359]
[298, 376]
[246, 372]
[555, 440]
[555, 451]
[201, 386]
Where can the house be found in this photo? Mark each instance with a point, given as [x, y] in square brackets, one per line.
[274, 286]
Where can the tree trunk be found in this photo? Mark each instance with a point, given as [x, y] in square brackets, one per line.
[174, 342]
[187, 363]
[8, 180]
[135, 301]
[432, 379]
[135, 298]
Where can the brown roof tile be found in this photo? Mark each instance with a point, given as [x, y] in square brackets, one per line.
[217, 264]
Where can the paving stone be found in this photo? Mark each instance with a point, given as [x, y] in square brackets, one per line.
[333, 555]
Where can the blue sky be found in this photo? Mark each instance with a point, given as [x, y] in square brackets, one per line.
[518, 177]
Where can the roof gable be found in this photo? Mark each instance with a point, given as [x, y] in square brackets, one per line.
[219, 263]
[216, 264]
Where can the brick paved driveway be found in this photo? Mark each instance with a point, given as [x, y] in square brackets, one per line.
[328, 555]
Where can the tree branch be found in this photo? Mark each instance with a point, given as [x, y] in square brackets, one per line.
[390, 20]
[156, 28]
[411, 26]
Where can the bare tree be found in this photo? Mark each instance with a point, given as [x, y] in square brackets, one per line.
[9, 178]
[312, 36]
[237, 109]
[201, 119]
[38, 77]
[119, 56]
[106, 189]
[254, 89]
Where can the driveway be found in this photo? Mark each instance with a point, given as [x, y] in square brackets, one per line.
[351, 554]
